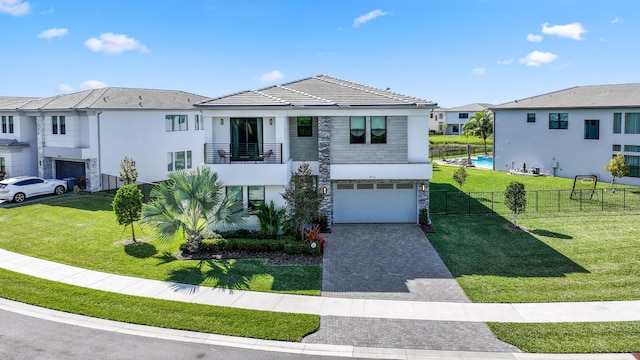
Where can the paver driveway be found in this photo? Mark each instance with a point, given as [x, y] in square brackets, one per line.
[393, 262]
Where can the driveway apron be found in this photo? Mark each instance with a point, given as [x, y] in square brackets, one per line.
[393, 262]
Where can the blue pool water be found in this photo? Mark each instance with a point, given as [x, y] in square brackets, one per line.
[484, 161]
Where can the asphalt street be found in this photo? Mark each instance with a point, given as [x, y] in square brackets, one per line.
[23, 337]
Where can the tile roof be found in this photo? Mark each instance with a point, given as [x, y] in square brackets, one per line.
[470, 107]
[317, 91]
[592, 96]
[14, 102]
[117, 98]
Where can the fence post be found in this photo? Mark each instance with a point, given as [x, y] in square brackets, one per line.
[624, 199]
[558, 192]
[602, 200]
[537, 192]
[469, 203]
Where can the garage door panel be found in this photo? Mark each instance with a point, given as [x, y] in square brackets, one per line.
[367, 204]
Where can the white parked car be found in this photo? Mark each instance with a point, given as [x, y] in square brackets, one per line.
[19, 188]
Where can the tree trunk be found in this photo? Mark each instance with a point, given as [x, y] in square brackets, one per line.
[485, 145]
[193, 242]
[133, 233]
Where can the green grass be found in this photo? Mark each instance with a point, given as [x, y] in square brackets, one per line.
[153, 312]
[458, 139]
[603, 337]
[82, 231]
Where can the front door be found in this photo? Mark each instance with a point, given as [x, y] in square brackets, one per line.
[246, 138]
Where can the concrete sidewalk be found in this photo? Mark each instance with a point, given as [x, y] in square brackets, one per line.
[324, 306]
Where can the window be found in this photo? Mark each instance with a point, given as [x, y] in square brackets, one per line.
[531, 117]
[592, 129]
[378, 129]
[54, 124]
[176, 122]
[455, 128]
[634, 165]
[617, 123]
[440, 116]
[616, 148]
[7, 124]
[463, 115]
[3, 165]
[357, 129]
[256, 196]
[305, 126]
[63, 126]
[179, 160]
[384, 186]
[632, 123]
[198, 124]
[558, 121]
[235, 193]
[364, 186]
[632, 148]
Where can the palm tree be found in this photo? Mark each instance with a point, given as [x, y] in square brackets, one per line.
[480, 125]
[192, 202]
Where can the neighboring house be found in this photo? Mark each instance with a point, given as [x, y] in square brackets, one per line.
[438, 121]
[87, 133]
[571, 132]
[456, 117]
[18, 147]
[367, 146]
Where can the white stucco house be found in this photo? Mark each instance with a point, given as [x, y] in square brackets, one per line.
[456, 117]
[18, 147]
[438, 121]
[571, 132]
[367, 146]
[87, 133]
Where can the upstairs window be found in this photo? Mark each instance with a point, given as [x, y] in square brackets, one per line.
[616, 147]
[378, 129]
[463, 115]
[357, 129]
[176, 122]
[531, 117]
[3, 166]
[558, 120]
[632, 148]
[632, 123]
[617, 123]
[592, 129]
[305, 126]
[58, 123]
[198, 124]
[7, 124]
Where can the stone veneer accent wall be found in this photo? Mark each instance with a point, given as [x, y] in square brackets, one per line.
[93, 175]
[423, 199]
[395, 151]
[324, 159]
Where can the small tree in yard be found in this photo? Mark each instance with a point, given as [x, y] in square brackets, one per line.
[128, 172]
[617, 167]
[460, 176]
[127, 205]
[303, 199]
[515, 198]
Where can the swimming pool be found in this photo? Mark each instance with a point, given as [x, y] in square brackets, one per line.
[483, 161]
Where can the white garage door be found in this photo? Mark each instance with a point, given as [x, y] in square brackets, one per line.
[374, 203]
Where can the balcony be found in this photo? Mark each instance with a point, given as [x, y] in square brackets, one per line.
[242, 153]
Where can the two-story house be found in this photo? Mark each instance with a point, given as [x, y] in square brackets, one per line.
[367, 146]
[571, 132]
[18, 148]
[87, 133]
[456, 117]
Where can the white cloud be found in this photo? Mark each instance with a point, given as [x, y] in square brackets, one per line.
[271, 76]
[505, 62]
[368, 17]
[64, 88]
[572, 31]
[111, 43]
[51, 33]
[534, 38]
[537, 58]
[93, 84]
[15, 7]
[479, 71]
[616, 20]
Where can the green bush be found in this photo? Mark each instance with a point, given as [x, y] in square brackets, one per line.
[289, 246]
[300, 247]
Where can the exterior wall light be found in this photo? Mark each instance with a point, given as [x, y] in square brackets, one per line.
[324, 190]
[423, 187]
[221, 121]
[271, 121]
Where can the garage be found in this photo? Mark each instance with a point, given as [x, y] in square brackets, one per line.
[374, 203]
[69, 169]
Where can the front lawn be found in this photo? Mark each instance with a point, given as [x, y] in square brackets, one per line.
[154, 312]
[81, 230]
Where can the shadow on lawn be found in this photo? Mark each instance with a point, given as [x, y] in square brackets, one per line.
[140, 250]
[488, 245]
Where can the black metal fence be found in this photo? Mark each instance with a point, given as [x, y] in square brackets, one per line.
[444, 151]
[538, 201]
[110, 184]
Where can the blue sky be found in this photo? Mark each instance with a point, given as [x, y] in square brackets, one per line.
[453, 52]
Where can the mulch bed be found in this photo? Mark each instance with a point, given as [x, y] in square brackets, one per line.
[273, 257]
